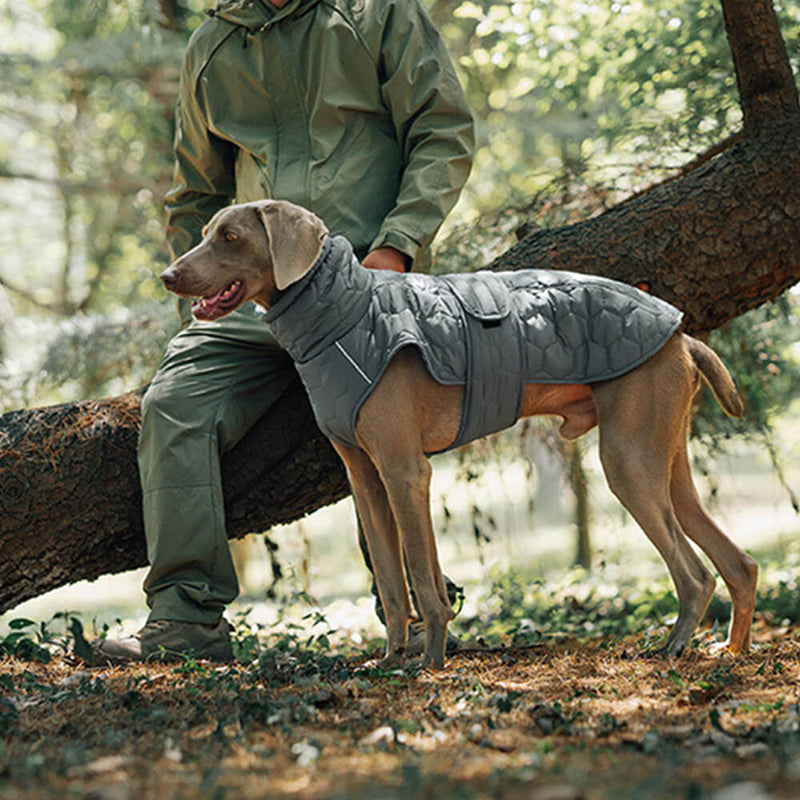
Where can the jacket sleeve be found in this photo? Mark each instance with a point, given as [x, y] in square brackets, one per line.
[432, 122]
[203, 180]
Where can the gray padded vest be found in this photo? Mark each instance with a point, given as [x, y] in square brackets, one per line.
[491, 332]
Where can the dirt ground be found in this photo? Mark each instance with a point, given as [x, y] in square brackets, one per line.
[560, 720]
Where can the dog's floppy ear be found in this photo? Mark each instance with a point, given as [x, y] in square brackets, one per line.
[294, 239]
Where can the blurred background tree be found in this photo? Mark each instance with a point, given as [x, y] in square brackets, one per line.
[85, 134]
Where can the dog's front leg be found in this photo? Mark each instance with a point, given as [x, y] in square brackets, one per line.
[407, 414]
[384, 548]
[407, 481]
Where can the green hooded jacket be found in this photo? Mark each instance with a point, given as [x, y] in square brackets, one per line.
[350, 108]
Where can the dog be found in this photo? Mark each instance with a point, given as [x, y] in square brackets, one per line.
[270, 252]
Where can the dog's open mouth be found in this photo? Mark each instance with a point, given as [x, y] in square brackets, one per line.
[219, 304]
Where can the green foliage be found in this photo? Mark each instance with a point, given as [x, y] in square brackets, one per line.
[23, 643]
[93, 146]
[780, 602]
[288, 647]
[29, 640]
[85, 154]
[89, 355]
[579, 606]
[591, 606]
[575, 86]
[758, 348]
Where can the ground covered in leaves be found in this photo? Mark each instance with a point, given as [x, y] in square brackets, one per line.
[560, 717]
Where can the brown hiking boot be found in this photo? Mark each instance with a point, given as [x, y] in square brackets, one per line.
[167, 640]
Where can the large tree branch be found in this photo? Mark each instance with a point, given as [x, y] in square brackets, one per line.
[717, 242]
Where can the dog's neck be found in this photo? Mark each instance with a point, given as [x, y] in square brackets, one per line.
[327, 300]
[269, 295]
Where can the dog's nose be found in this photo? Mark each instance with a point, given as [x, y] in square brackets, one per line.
[170, 276]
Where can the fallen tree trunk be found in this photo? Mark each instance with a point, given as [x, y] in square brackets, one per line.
[720, 240]
[70, 501]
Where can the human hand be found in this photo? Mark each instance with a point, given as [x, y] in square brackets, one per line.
[386, 258]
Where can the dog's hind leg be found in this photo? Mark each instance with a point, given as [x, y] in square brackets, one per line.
[638, 430]
[384, 547]
[738, 570]
[652, 509]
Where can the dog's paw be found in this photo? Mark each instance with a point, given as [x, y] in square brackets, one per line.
[729, 648]
[389, 661]
[666, 651]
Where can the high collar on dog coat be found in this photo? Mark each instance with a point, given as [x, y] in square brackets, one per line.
[491, 332]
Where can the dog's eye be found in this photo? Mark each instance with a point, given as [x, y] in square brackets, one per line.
[230, 236]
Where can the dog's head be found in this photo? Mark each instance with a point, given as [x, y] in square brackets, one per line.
[249, 252]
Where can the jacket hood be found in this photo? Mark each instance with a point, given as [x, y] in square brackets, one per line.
[255, 14]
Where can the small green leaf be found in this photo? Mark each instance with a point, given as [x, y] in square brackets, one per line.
[18, 624]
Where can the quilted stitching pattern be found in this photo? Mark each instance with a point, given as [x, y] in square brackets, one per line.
[585, 329]
[492, 332]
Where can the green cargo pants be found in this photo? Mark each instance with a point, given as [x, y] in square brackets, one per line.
[214, 383]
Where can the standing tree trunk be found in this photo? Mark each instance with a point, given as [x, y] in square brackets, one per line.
[580, 488]
[719, 240]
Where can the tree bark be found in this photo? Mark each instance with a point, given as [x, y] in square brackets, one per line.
[580, 489]
[718, 241]
[70, 501]
[767, 91]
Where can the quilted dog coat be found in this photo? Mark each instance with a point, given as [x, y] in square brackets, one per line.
[491, 332]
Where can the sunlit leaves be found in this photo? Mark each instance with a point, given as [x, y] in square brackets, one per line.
[578, 80]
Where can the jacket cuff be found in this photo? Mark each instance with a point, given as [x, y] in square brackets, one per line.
[399, 241]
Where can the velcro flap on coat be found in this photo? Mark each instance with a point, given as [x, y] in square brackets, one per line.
[486, 299]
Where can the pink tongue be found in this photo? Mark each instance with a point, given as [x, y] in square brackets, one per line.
[212, 301]
[203, 312]
[213, 307]
[207, 307]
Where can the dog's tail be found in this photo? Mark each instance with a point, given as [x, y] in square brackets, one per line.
[716, 375]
